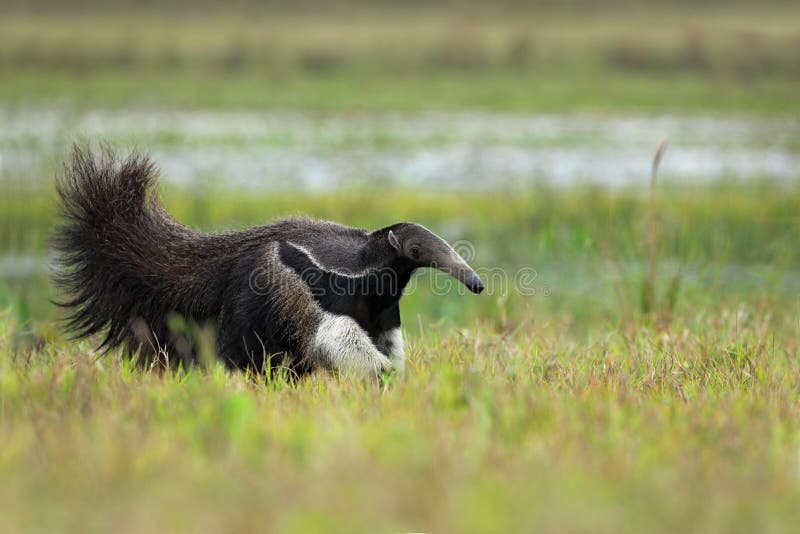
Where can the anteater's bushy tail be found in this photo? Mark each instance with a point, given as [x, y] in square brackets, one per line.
[123, 262]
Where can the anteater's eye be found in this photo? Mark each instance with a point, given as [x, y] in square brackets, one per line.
[415, 252]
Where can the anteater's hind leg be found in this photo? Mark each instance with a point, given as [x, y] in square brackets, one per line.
[160, 349]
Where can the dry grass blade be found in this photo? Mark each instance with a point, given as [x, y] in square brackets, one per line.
[648, 291]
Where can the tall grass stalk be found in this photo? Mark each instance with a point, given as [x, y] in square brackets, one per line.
[649, 286]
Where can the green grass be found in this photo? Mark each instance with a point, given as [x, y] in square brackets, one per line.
[693, 427]
[502, 90]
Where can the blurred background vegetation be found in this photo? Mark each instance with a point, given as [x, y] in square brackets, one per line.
[377, 55]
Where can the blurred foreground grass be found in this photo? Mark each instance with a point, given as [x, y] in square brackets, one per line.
[693, 426]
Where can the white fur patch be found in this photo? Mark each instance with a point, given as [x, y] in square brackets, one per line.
[345, 346]
[391, 342]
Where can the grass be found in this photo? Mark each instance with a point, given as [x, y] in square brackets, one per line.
[503, 90]
[691, 427]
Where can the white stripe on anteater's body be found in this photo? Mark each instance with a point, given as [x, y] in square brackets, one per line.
[318, 264]
[340, 342]
[295, 329]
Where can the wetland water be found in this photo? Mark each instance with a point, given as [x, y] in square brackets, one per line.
[274, 150]
[451, 151]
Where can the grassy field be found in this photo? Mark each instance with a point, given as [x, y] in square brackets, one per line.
[563, 399]
[691, 427]
[567, 409]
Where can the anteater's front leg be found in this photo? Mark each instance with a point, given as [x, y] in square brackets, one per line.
[390, 343]
[390, 339]
[340, 343]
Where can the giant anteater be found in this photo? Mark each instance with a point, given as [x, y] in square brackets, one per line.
[297, 293]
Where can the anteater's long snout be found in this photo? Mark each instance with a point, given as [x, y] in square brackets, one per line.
[461, 271]
[474, 283]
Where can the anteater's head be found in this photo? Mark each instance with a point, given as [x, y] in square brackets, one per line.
[423, 248]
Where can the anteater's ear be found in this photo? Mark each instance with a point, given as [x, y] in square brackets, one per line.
[394, 241]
